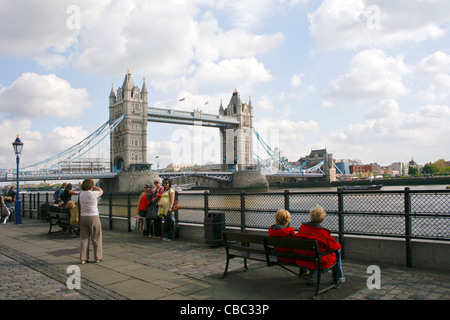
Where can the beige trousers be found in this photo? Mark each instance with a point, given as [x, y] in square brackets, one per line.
[90, 230]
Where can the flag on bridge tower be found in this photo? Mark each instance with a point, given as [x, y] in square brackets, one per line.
[206, 103]
[181, 100]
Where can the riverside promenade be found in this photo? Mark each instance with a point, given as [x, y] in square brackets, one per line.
[34, 267]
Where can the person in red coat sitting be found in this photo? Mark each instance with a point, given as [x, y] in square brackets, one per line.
[314, 230]
[282, 229]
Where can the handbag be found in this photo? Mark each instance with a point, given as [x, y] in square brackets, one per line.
[75, 216]
[152, 211]
[137, 223]
[175, 206]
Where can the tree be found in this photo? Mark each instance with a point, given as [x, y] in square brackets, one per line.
[431, 168]
[412, 171]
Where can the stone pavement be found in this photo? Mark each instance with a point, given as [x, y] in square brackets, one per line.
[34, 266]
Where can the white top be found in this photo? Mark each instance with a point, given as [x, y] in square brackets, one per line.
[88, 203]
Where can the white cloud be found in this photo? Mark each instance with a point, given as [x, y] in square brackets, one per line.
[296, 80]
[384, 110]
[355, 23]
[372, 75]
[163, 39]
[438, 89]
[438, 62]
[264, 103]
[38, 146]
[246, 14]
[389, 133]
[232, 72]
[34, 95]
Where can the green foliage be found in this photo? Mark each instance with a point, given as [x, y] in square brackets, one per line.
[436, 168]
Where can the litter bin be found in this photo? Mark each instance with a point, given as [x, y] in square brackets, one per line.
[43, 211]
[214, 225]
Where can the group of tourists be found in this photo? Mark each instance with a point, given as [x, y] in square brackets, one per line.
[155, 205]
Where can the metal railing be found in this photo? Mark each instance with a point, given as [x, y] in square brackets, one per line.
[404, 214]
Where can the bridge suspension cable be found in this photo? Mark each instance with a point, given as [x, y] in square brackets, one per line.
[77, 150]
[288, 168]
[283, 163]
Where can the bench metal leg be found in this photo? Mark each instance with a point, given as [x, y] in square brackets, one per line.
[226, 268]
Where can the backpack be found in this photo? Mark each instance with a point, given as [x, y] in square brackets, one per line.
[56, 194]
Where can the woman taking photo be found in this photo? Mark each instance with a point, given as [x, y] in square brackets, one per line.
[90, 226]
[165, 210]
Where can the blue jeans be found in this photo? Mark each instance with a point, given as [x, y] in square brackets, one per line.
[339, 271]
[169, 225]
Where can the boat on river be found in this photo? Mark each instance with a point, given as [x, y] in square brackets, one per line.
[362, 187]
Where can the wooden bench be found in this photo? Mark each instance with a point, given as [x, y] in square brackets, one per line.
[62, 219]
[259, 247]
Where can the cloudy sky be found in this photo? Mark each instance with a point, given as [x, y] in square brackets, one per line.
[366, 79]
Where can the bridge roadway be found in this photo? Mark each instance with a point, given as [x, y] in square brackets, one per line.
[34, 176]
[213, 175]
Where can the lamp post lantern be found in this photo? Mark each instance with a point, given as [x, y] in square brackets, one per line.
[18, 145]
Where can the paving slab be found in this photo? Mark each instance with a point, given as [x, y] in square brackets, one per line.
[138, 268]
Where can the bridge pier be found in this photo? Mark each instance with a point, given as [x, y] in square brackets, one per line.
[249, 180]
[133, 181]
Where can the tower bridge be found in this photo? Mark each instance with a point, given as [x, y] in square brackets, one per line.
[129, 139]
[129, 115]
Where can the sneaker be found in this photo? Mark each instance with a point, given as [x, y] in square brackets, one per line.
[166, 239]
[340, 280]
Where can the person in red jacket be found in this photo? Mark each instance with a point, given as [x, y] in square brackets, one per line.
[314, 230]
[281, 228]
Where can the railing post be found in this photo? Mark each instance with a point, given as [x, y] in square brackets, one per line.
[177, 229]
[34, 204]
[110, 212]
[408, 228]
[38, 211]
[23, 201]
[340, 195]
[286, 200]
[129, 211]
[31, 203]
[205, 203]
[243, 222]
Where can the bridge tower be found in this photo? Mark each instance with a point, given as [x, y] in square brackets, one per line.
[236, 140]
[129, 138]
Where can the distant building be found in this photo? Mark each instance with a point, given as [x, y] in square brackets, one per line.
[343, 165]
[372, 169]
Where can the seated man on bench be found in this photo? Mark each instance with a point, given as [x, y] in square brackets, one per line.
[313, 230]
[281, 228]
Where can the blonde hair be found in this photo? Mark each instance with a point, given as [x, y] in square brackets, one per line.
[317, 214]
[282, 217]
[69, 204]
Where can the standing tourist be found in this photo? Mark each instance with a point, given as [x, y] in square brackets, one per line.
[165, 210]
[90, 226]
[144, 200]
[66, 195]
[157, 223]
[4, 210]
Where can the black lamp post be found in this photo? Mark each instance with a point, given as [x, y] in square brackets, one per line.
[18, 145]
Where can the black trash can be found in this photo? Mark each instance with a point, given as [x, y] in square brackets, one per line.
[214, 225]
[43, 211]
